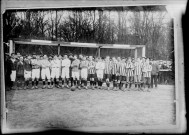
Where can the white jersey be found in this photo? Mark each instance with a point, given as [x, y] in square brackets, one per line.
[45, 63]
[66, 63]
[100, 66]
[55, 63]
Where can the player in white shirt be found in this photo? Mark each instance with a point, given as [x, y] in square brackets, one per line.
[100, 66]
[55, 71]
[45, 71]
[65, 71]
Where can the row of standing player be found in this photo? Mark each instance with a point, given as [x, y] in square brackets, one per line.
[120, 71]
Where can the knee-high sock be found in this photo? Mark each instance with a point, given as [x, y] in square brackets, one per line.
[101, 82]
[62, 81]
[57, 81]
[32, 83]
[49, 83]
[91, 83]
[71, 81]
[43, 82]
[130, 85]
[98, 82]
[36, 83]
[85, 82]
[67, 81]
[74, 82]
[78, 83]
[52, 81]
[108, 84]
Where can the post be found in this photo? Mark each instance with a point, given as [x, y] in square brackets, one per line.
[143, 51]
[99, 51]
[11, 47]
[58, 49]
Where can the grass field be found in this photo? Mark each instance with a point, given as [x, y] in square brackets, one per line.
[47, 108]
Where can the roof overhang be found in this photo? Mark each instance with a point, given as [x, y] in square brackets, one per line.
[74, 44]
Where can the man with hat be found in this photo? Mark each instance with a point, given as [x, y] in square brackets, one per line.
[20, 73]
[154, 73]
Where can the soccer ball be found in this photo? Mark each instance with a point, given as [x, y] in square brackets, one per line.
[73, 88]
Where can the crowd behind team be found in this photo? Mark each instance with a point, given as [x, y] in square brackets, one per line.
[74, 72]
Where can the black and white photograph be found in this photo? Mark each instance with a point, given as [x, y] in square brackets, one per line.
[92, 68]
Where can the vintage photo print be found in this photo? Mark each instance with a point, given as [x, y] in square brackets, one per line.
[92, 68]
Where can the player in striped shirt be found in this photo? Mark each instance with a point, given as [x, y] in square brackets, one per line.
[119, 76]
[114, 72]
[137, 72]
[143, 72]
[147, 73]
[75, 72]
[129, 67]
[107, 71]
[122, 71]
[91, 72]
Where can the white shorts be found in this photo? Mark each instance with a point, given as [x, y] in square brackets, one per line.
[45, 72]
[75, 75]
[27, 74]
[35, 73]
[65, 73]
[55, 73]
[13, 75]
[99, 74]
[84, 73]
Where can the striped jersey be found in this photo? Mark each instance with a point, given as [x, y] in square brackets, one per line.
[91, 67]
[115, 68]
[108, 67]
[122, 69]
[147, 69]
[137, 68]
[129, 67]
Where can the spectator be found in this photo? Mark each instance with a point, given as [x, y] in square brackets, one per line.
[154, 73]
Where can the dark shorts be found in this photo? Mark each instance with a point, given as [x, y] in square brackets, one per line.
[123, 78]
[91, 76]
[114, 77]
[107, 76]
[20, 78]
[130, 79]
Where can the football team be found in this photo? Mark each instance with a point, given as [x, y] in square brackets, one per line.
[74, 72]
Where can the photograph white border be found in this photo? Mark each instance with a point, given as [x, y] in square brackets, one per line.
[175, 7]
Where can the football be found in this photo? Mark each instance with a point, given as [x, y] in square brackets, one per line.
[73, 88]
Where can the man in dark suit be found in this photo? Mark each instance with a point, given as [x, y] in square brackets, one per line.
[154, 73]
